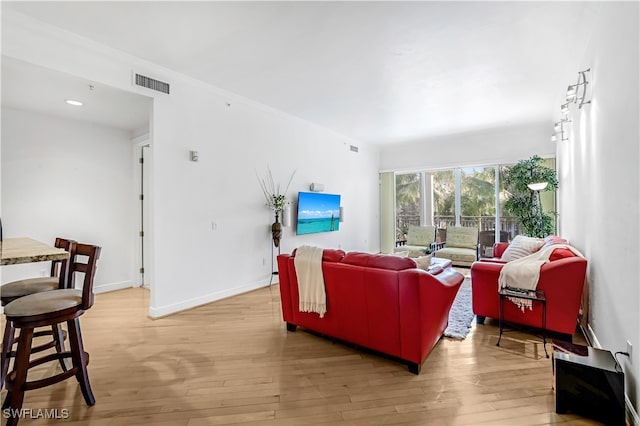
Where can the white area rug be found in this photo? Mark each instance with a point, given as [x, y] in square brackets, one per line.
[461, 314]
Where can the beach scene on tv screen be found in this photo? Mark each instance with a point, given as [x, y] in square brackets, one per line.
[318, 213]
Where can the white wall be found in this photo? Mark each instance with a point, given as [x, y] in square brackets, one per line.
[66, 178]
[234, 143]
[493, 146]
[193, 264]
[599, 183]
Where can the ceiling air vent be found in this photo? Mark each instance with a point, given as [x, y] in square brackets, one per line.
[151, 83]
[353, 148]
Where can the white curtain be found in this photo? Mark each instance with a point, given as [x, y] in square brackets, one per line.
[387, 212]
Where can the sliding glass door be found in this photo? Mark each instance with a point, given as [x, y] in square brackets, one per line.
[470, 197]
[409, 203]
[478, 197]
[444, 198]
[478, 206]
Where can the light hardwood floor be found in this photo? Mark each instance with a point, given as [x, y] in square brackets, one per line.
[233, 362]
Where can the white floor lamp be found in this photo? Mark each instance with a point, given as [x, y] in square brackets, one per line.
[537, 187]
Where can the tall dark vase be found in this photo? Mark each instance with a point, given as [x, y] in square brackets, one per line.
[276, 232]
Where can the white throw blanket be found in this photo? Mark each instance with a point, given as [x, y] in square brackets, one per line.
[308, 263]
[524, 273]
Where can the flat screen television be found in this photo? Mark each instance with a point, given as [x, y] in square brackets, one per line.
[317, 212]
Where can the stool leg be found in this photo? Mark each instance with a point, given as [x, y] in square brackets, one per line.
[58, 337]
[15, 394]
[7, 345]
[80, 360]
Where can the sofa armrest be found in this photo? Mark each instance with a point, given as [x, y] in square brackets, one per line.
[425, 302]
[499, 248]
[285, 282]
[563, 282]
[484, 287]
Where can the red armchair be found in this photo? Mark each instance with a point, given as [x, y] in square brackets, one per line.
[562, 280]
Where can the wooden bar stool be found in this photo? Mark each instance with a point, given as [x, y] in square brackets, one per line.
[47, 309]
[58, 279]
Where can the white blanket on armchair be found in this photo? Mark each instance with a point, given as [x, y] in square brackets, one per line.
[308, 263]
[524, 273]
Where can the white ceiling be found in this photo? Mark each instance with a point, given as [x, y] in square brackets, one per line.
[378, 72]
[33, 88]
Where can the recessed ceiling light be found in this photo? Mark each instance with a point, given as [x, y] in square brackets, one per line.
[74, 103]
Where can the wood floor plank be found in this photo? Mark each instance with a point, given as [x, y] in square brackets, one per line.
[232, 362]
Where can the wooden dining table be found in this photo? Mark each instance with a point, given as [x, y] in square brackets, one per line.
[27, 250]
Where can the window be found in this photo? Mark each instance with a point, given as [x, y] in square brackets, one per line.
[478, 197]
[444, 194]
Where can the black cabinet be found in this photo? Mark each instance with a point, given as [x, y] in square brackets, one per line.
[589, 382]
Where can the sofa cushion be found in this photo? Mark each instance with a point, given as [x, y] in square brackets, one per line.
[380, 261]
[423, 262]
[462, 237]
[331, 255]
[521, 246]
[421, 235]
[414, 251]
[457, 254]
[560, 253]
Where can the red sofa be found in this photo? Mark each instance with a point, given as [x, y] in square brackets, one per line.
[562, 280]
[379, 302]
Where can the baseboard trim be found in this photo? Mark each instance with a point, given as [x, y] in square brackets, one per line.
[163, 311]
[105, 288]
[630, 412]
[590, 335]
[632, 415]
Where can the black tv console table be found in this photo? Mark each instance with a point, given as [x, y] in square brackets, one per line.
[589, 382]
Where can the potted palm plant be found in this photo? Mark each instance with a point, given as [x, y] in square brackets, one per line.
[524, 202]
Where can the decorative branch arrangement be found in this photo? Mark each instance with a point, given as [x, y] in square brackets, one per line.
[275, 199]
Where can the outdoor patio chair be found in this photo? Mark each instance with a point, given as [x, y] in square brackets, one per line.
[420, 239]
[461, 246]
